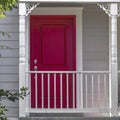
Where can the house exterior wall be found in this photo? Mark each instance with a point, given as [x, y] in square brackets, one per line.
[95, 39]
[9, 58]
[95, 48]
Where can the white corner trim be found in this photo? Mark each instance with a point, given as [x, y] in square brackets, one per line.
[110, 102]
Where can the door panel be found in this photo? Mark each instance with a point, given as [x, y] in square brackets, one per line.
[53, 45]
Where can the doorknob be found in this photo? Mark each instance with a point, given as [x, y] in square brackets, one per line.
[35, 65]
[35, 68]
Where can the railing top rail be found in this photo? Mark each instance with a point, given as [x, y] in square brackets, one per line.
[85, 72]
[95, 72]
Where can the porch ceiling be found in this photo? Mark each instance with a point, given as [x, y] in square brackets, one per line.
[72, 1]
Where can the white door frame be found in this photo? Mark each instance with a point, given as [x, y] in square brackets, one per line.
[25, 49]
[77, 11]
[65, 11]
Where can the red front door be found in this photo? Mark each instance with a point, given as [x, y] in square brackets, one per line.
[52, 48]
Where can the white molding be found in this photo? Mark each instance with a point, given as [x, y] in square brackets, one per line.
[114, 59]
[68, 11]
[73, 1]
[27, 82]
[22, 60]
[110, 105]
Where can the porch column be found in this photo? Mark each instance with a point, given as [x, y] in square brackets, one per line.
[22, 13]
[114, 62]
[112, 9]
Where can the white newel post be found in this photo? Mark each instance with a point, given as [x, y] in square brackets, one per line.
[114, 62]
[22, 13]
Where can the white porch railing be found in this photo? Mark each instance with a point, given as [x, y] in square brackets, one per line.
[88, 92]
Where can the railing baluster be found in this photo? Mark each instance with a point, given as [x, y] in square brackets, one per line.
[98, 90]
[30, 76]
[27, 85]
[48, 90]
[54, 90]
[42, 80]
[60, 90]
[36, 91]
[67, 92]
[81, 79]
[92, 78]
[78, 95]
[105, 96]
[73, 90]
[86, 78]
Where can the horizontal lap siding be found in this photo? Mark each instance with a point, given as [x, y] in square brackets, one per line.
[10, 53]
[13, 36]
[95, 50]
[95, 38]
[12, 78]
[9, 60]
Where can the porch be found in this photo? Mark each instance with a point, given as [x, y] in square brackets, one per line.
[79, 91]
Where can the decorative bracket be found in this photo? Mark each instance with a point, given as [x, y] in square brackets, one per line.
[118, 9]
[30, 7]
[106, 8]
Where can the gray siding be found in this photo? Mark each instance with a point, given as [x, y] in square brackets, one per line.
[95, 39]
[95, 48]
[9, 58]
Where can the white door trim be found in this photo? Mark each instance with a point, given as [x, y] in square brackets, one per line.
[77, 11]
[66, 11]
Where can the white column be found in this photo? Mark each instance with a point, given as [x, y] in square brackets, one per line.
[114, 63]
[22, 12]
